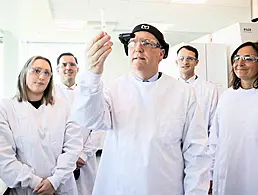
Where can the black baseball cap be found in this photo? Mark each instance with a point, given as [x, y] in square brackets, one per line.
[125, 37]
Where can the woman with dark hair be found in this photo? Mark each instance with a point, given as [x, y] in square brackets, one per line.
[234, 133]
[39, 144]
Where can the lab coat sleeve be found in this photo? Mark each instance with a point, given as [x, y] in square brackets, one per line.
[13, 172]
[213, 139]
[196, 160]
[91, 107]
[89, 149]
[72, 147]
[214, 103]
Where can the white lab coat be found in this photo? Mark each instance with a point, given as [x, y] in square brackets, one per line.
[156, 141]
[207, 97]
[37, 144]
[88, 172]
[234, 142]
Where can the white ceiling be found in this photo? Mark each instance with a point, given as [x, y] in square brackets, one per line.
[35, 20]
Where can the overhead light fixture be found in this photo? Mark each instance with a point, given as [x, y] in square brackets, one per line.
[63, 25]
[189, 1]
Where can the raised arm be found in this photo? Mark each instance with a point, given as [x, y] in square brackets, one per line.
[92, 107]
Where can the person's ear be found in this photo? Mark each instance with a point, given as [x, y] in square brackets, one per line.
[162, 53]
[197, 61]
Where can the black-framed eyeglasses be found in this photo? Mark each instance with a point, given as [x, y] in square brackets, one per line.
[144, 42]
[245, 58]
[64, 64]
[38, 71]
[187, 58]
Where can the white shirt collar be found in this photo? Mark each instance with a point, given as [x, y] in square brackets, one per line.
[65, 87]
[190, 80]
[152, 79]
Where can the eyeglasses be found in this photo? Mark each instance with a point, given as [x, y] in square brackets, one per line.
[187, 58]
[72, 65]
[245, 58]
[144, 42]
[38, 71]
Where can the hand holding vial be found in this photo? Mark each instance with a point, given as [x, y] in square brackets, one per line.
[98, 50]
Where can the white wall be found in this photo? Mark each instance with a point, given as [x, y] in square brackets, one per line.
[204, 39]
[9, 70]
[216, 65]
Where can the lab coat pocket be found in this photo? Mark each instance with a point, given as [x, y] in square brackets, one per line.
[170, 130]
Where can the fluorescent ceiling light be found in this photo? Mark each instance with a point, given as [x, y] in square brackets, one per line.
[70, 25]
[188, 1]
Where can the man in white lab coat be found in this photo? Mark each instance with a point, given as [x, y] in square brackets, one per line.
[67, 67]
[206, 92]
[156, 140]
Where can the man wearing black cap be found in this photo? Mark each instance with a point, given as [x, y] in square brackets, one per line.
[156, 143]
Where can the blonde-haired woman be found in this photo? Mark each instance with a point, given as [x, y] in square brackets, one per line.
[39, 144]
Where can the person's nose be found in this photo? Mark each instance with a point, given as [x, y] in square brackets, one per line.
[138, 47]
[68, 66]
[241, 61]
[42, 75]
[185, 61]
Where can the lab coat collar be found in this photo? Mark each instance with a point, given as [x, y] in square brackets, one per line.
[66, 87]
